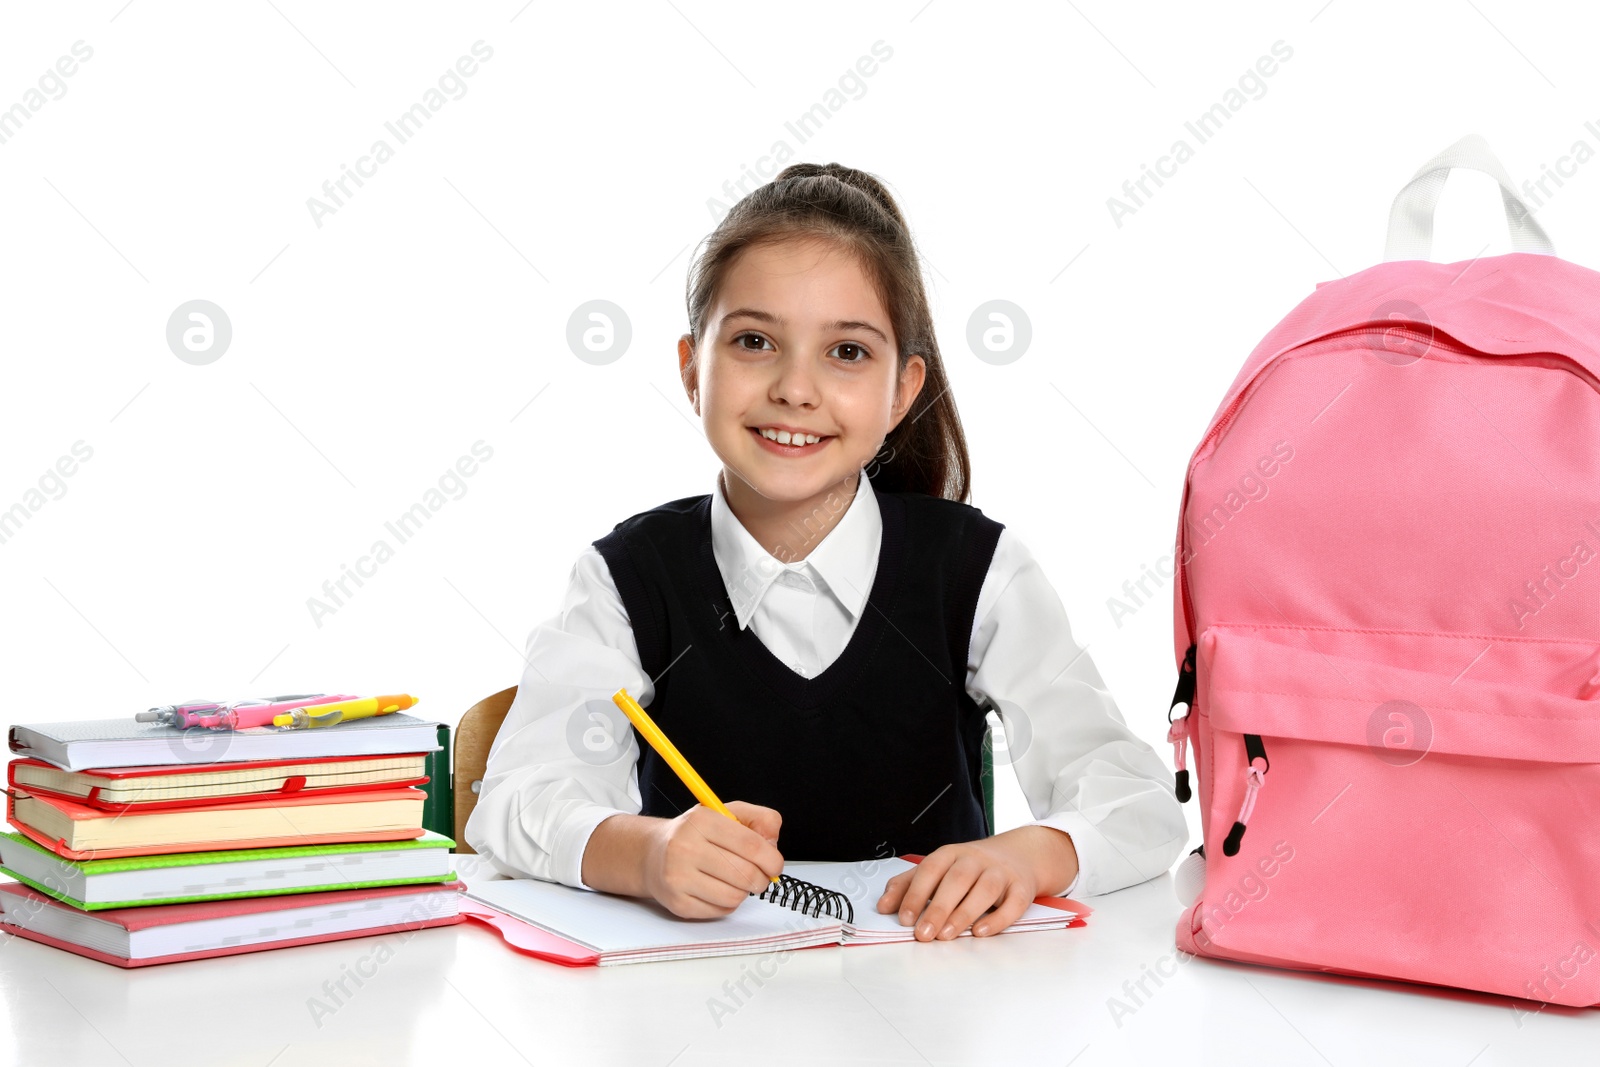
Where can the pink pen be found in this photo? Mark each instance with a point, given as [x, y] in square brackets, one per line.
[240, 715]
[246, 714]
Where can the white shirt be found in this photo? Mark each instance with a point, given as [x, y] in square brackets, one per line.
[556, 770]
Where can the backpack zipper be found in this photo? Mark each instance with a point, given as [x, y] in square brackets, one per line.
[1254, 778]
[1178, 730]
[1178, 733]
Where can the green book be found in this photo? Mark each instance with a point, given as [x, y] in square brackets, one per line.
[182, 877]
[439, 810]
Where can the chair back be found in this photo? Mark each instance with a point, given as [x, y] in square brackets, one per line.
[474, 736]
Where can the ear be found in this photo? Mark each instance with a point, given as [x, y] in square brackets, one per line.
[687, 370]
[912, 375]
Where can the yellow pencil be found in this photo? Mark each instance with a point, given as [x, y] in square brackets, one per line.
[669, 752]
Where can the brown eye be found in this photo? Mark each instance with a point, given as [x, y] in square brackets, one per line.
[739, 341]
[853, 353]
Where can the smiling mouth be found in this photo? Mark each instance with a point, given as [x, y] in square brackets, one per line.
[797, 444]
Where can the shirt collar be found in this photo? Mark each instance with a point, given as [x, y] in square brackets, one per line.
[846, 559]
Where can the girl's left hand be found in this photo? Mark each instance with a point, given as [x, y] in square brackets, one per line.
[956, 884]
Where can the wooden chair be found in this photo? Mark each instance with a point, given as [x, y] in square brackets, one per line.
[474, 736]
[481, 723]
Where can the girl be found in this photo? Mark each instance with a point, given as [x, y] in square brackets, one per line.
[822, 635]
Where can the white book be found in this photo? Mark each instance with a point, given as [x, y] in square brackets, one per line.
[92, 743]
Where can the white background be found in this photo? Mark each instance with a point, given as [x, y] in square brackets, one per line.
[429, 311]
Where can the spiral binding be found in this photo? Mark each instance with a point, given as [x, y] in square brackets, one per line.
[809, 899]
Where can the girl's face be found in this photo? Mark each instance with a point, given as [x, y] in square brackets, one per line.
[797, 346]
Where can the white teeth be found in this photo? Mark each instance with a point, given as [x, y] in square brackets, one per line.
[784, 437]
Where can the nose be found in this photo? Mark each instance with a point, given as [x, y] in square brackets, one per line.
[795, 383]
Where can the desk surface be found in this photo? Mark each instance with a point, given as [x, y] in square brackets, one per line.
[459, 995]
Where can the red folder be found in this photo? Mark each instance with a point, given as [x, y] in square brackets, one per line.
[527, 939]
[139, 918]
[541, 944]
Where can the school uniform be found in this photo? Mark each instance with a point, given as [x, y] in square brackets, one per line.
[847, 690]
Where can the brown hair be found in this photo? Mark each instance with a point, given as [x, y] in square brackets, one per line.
[927, 451]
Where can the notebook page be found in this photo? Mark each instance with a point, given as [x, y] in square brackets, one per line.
[607, 923]
[863, 883]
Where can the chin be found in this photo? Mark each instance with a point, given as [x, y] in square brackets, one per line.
[791, 490]
[791, 487]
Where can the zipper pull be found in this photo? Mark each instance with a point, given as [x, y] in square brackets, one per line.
[1178, 734]
[1178, 730]
[1254, 778]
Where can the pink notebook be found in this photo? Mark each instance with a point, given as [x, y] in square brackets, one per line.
[333, 916]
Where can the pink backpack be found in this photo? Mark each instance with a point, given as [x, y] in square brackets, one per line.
[1388, 623]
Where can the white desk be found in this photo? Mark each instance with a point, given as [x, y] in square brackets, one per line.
[458, 995]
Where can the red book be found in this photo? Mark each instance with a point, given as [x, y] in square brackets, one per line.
[179, 785]
[138, 937]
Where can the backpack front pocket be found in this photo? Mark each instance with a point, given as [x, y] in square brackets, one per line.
[1402, 805]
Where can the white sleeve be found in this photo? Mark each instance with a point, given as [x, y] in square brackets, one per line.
[565, 758]
[1080, 767]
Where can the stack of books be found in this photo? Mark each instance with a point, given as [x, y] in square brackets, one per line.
[131, 851]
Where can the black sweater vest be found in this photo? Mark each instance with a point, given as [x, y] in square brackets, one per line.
[878, 755]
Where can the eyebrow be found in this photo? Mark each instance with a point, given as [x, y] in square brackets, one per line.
[841, 324]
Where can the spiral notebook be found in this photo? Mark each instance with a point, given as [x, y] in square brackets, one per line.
[816, 904]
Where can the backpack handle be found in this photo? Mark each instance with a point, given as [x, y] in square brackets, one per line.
[1411, 217]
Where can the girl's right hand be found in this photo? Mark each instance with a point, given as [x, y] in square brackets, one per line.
[703, 865]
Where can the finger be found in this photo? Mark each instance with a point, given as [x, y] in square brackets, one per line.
[690, 904]
[762, 855]
[743, 841]
[711, 888]
[721, 852]
[696, 888]
[893, 890]
[952, 889]
[990, 887]
[1005, 913]
[764, 821]
[924, 880]
[752, 826]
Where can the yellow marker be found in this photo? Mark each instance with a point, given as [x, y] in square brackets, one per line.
[669, 752]
[343, 711]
